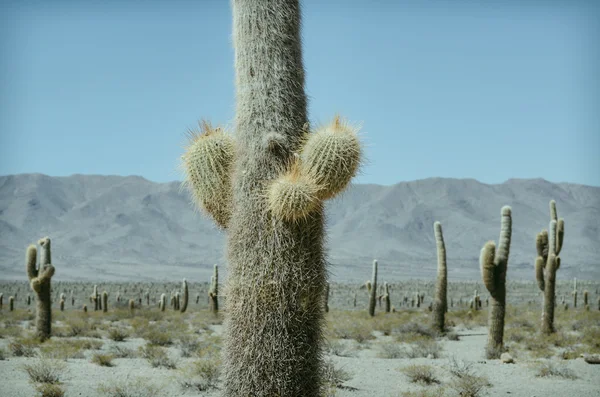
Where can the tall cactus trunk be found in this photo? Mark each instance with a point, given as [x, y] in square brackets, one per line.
[549, 296]
[494, 266]
[373, 291]
[441, 304]
[277, 270]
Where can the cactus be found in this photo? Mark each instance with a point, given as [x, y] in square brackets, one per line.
[184, 287]
[441, 304]
[39, 280]
[163, 302]
[105, 301]
[386, 298]
[494, 265]
[585, 298]
[548, 245]
[85, 308]
[267, 190]
[11, 303]
[373, 291]
[28, 300]
[326, 298]
[598, 302]
[95, 299]
[574, 293]
[177, 301]
[62, 305]
[418, 300]
[131, 306]
[213, 292]
[353, 301]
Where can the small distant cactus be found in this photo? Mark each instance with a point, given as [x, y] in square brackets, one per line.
[95, 299]
[386, 298]
[494, 265]
[184, 287]
[585, 298]
[163, 302]
[440, 306]
[373, 290]
[1, 300]
[39, 280]
[28, 299]
[213, 292]
[11, 303]
[131, 306]
[104, 301]
[549, 244]
[62, 305]
[85, 308]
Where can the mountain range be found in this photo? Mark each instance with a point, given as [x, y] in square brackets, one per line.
[129, 228]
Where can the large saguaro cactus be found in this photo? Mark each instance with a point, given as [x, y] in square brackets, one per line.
[39, 280]
[267, 189]
[548, 244]
[494, 265]
[440, 305]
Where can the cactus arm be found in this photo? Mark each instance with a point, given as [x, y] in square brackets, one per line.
[552, 237]
[553, 213]
[560, 234]
[501, 259]
[539, 272]
[31, 262]
[185, 298]
[208, 164]
[486, 262]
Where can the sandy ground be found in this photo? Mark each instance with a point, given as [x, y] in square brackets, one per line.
[370, 374]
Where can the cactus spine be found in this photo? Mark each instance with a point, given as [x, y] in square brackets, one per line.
[548, 244]
[494, 265]
[268, 195]
[104, 301]
[441, 304]
[213, 292]
[39, 280]
[326, 298]
[373, 296]
[186, 297]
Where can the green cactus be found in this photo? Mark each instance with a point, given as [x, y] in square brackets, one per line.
[441, 304]
[184, 287]
[105, 301]
[95, 299]
[11, 303]
[549, 244]
[1, 300]
[131, 306]
[494, 266]
[85, 308]
[267, 190]
[213, 292]
[373, 291]
[39, 280]
[62, 305]
[585, 298]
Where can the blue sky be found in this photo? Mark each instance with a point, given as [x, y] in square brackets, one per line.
[444, 89]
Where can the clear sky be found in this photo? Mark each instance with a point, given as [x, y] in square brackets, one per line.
[448, 89]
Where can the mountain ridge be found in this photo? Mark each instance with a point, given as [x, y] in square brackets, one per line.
[114, 227]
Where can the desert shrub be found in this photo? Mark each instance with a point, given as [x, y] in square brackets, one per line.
[77, 327]
[23, 347]
[420, 374]
[188, 345]
[423, 348]
[415, 329]
[202, 375]
[10, 331]
[118, 351]
[157, 357]
[391, 350]
[334, 377]
[50, 390]
[140, 387]
[339, 349]
[117, 334]
[103, 360]
[45, 371]
[551, 369]
[452, 336]
[464, 381]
